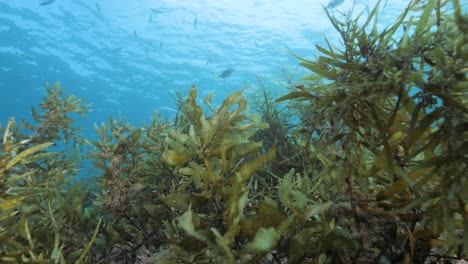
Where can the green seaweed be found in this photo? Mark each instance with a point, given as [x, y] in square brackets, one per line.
[389, 120]
[362, 161]
[34, 185]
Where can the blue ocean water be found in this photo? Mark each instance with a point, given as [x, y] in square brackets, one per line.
[126, 58]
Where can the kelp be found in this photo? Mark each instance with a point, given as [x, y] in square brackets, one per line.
[130, 182]
[279, 119]
[54, 117]
[216, 156]
[362, 162]
[230, 211]
[390, 117]
[34, 185]
[220, 141]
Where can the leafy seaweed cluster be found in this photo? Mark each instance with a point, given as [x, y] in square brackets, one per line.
[132, 180]
[369, 169]
[390, 121]
[216, 156]
[40, 211]
[280, 123]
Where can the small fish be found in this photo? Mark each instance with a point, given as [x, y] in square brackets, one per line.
[256, 44]
[24, 141]
[146, 52]
[160, 44]
[134, 33]
[47, 2]
[150, 19]
[226, 73]
[334, 3]
[209, 61]
[98, 8]
[156, 11]
[195, 23]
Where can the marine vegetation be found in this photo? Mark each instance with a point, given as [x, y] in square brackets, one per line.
[280, 120]
[132, 179]
[361, 161]
[40, 210]
[390, 118]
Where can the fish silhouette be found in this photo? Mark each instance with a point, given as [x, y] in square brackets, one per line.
[98, 8]
[156, 11]
[226, 73]
[334, 3]
[47, 2]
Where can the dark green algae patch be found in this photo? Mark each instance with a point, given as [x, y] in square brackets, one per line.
[374, 171]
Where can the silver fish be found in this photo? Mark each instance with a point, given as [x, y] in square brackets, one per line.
[334, 3]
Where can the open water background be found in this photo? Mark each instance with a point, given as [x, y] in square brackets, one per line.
[126, 58]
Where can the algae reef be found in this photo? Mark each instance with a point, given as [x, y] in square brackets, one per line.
[361, 161]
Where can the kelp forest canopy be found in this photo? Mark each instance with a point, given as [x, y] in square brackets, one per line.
[362, 161]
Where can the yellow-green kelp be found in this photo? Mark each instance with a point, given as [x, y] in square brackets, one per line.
[370, 169]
